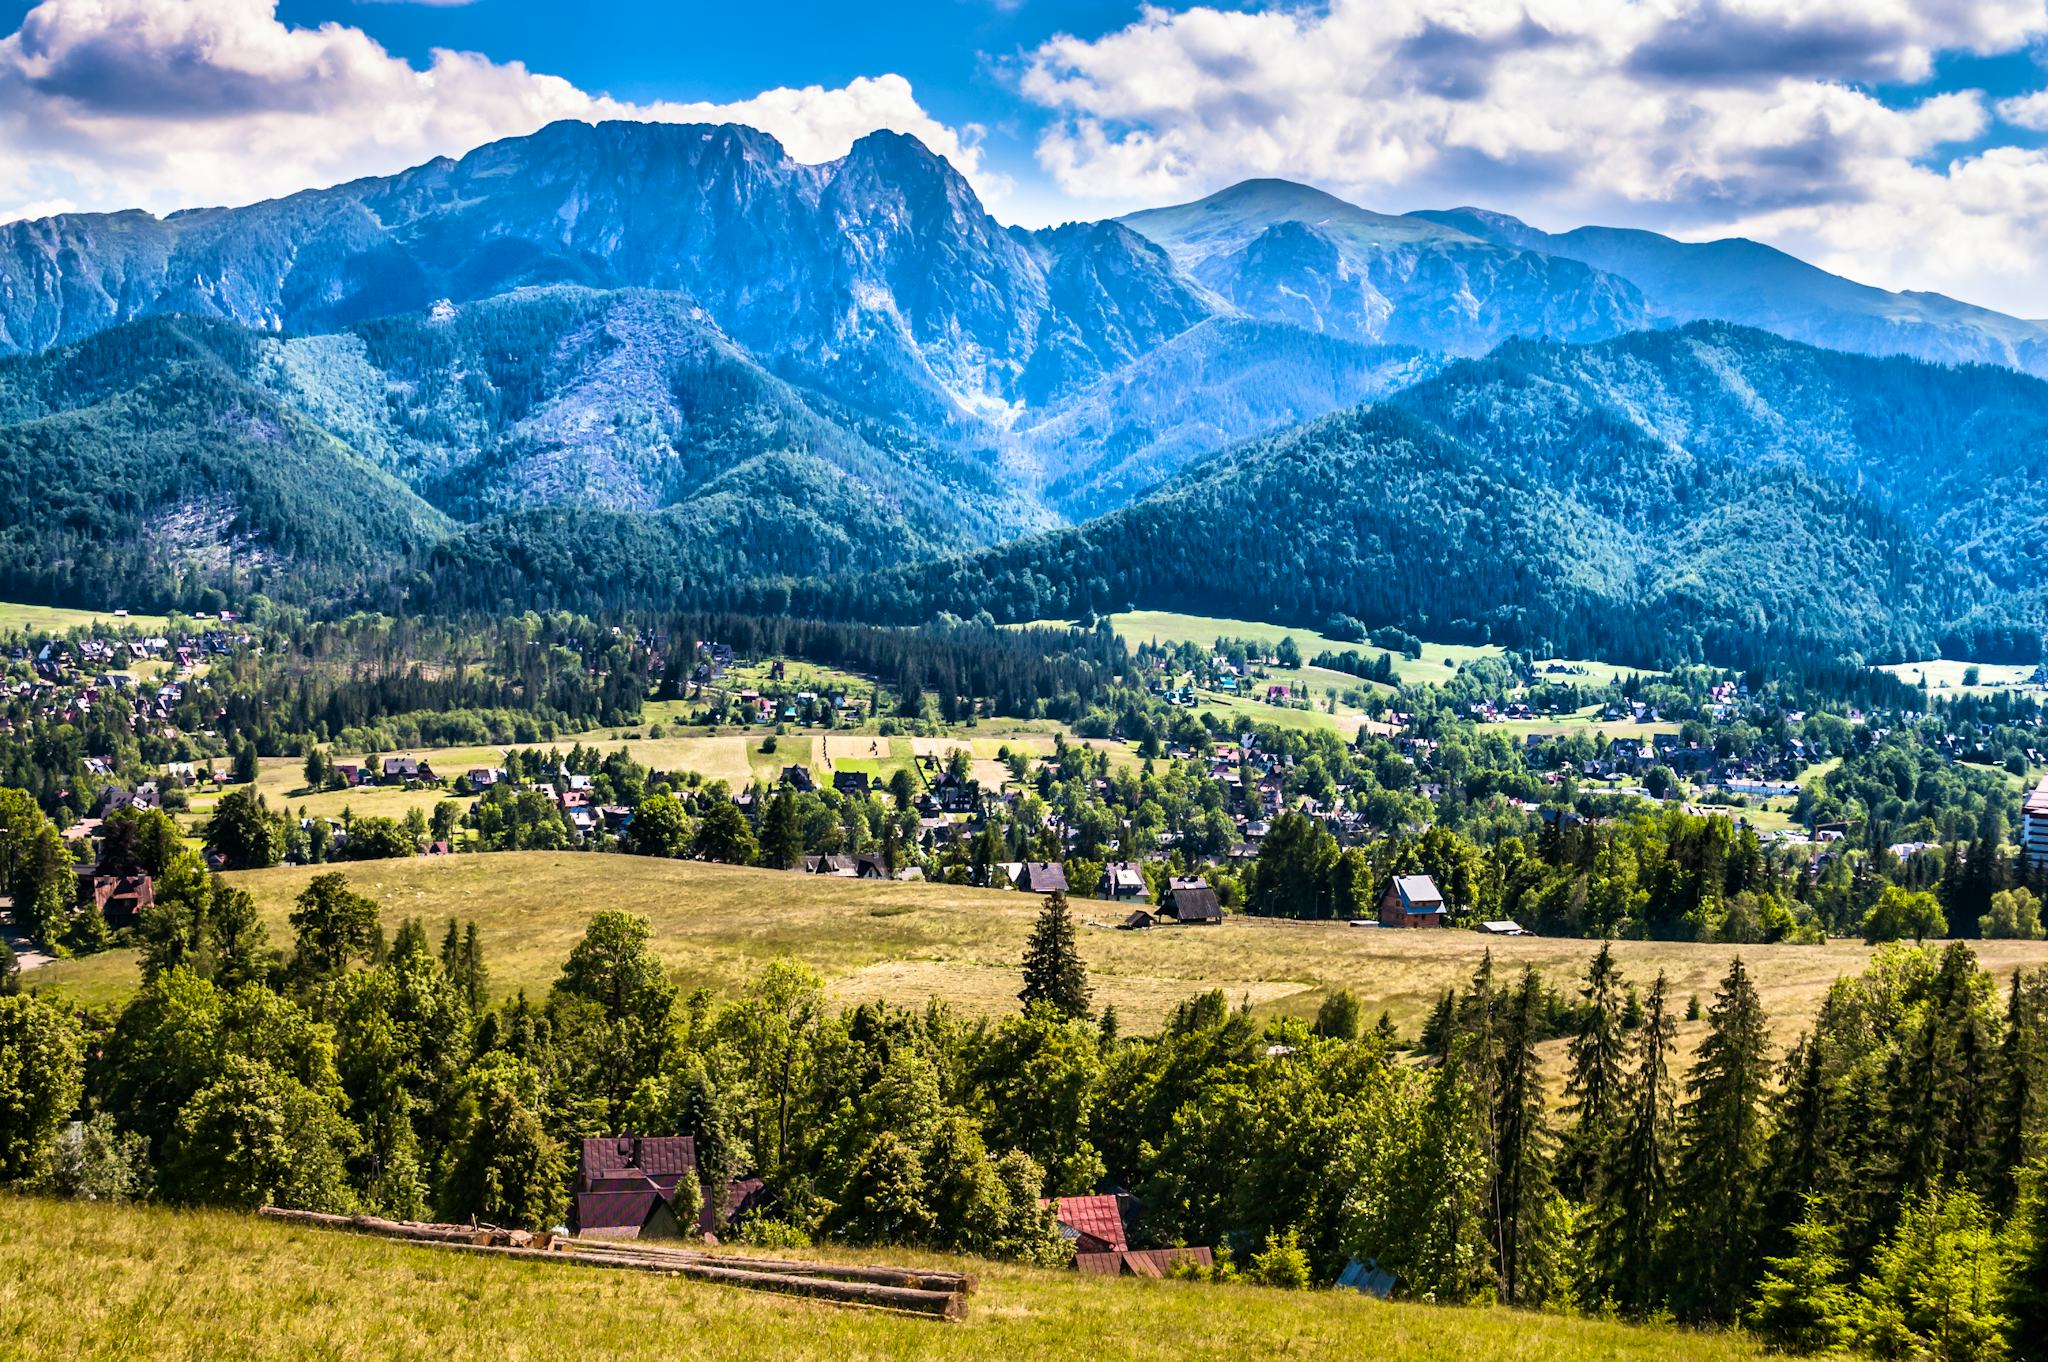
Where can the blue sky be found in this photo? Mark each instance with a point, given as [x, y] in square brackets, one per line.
[1903, 142]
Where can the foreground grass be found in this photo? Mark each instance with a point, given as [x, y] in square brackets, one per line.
[716, 925]
[94, 1283]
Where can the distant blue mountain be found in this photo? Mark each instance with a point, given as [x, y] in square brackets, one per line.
[1040, 375]
[1756, 285]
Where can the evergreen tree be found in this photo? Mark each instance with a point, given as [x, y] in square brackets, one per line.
[1053, 971]
[1522, 1178]
[1721, 1156]
[782, 832]
[1941, 1099]
[1935, 1289]
[2026, 1284]
[1593, 1085]
[1630, 1218]
[1339, 1016]
[2023, 1084]
[1804, 1303]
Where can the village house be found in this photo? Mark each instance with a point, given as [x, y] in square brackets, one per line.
[1190, 901]
[1096, 1227]
[1040, 877]
[120, 898]
[1123, 880]
[1412, 901]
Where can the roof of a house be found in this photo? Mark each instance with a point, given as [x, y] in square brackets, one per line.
[663, 1158]
[1098, 1217]
[1193, 901]
[1044, 876]
[1418, 893]
[2037, 802]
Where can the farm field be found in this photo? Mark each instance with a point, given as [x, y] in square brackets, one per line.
[1943, 674]
[95, 1283]
[1587, 720]
[734, 757]
[1438, 660]
[908, 943]
[52, 619]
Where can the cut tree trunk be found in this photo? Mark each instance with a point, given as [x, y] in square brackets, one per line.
[936, 1295]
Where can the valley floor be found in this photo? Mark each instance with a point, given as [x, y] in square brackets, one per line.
[94, 1283]
[716, 925]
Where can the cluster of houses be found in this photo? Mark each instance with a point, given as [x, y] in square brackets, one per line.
[631, 1187]
[67, 680]
[1769, 771]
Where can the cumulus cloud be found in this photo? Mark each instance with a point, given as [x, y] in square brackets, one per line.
[1701, 117]
[2026, 111]
[139, 103]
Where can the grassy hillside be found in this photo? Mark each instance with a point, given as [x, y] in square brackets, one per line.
[52, 619]
[907, 943]
[733, 756]
[94, 1283]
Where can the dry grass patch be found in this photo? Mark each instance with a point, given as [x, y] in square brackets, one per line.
[717, 925]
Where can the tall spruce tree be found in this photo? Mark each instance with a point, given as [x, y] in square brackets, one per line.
[1721, 1156]
[1941, 1099]
[1593, 1086]
[1053, 972]
[1635, 1191]
[1522, 1170]
[782, 832]
[2023, 1085]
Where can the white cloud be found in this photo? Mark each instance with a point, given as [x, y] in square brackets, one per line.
[1701, 117]
[141, 103]
[2026, 111]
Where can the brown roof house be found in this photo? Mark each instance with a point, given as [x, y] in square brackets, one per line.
[1190, 900]
[120, 898]
[1412, 901]
[1042, 877]
[633, 1188]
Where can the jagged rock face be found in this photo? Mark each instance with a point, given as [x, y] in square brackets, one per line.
[879, 272]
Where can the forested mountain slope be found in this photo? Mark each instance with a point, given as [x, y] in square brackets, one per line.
[145, 466]
[629, 401]
[1711, 491]
[180, 461]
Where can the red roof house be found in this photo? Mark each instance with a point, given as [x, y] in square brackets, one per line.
[1095, 1224]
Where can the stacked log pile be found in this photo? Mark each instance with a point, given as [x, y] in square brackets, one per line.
[937, 1295]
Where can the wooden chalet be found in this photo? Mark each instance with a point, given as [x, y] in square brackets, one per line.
[1412, 901]
[632, 1188]
[1191, 901]
[1041, 877]
[120, 898]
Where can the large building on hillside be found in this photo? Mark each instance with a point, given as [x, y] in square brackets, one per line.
[2034, 827]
